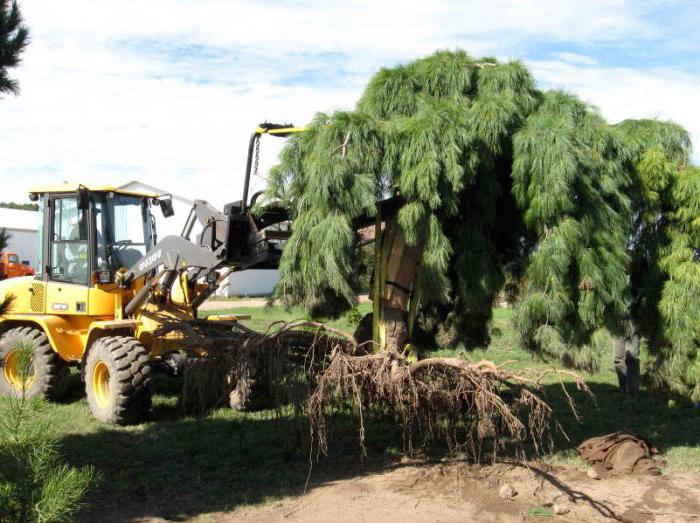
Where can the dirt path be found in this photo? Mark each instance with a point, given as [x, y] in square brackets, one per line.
[220, 304]
[460, 492]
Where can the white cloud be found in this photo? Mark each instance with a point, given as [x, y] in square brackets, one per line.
[397, 27]
[110, 121]
[110, 94]
[575, 58]
[623, 93]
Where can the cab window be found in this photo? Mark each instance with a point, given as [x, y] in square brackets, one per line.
[69, 246]
[123, 231]
[12, 258]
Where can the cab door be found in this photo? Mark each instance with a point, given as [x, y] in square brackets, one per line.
[68, 269]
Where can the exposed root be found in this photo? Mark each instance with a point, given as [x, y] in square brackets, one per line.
[480, 409]
[474, 408]
[232, 364]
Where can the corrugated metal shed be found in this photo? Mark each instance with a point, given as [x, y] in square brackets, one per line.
[22, 226]
[18, 219]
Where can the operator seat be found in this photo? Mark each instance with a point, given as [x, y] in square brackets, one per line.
[76, 257]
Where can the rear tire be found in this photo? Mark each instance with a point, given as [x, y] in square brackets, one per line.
[50, 373]
[118, 380]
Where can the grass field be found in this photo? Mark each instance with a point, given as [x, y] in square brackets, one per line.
[178, 466]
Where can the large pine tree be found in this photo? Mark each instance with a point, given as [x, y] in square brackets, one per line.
[665, 237]
[500, 181]
[14, 37]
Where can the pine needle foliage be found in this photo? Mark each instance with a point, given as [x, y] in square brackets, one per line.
[502, 182]
[35, 484]
[14, 37]
[665, 232]
[568, 179]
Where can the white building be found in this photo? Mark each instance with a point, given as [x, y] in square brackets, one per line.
[244, 283]
[164, 226]
[22, 227]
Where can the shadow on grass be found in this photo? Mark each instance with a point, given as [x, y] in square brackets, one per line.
[75, 388]
[176, 467]
[646, 415]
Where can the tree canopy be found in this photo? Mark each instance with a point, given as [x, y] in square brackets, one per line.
[505, 186]
[14, 37]
[20, 206]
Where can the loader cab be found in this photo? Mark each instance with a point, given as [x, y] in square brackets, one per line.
[87, 234]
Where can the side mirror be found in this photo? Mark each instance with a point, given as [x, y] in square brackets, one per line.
[166, 207]
[83, 197]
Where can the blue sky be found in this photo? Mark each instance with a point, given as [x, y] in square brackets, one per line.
[167, 91]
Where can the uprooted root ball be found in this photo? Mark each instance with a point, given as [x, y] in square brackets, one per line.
[250, 370]
[472, 407]
[475, 408]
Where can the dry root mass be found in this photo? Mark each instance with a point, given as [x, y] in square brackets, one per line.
[479, 409]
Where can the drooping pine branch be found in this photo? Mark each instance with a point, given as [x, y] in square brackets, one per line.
[501, 182]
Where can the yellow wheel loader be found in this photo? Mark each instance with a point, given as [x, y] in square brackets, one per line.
[107, 286]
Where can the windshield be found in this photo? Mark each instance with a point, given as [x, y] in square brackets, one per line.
[124, 232]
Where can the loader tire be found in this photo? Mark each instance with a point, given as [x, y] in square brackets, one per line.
[48, 374]
[118, 380]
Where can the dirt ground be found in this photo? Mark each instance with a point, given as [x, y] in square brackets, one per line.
[461, 492]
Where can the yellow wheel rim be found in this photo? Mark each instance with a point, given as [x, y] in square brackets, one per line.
[10, 369]
[100, 383]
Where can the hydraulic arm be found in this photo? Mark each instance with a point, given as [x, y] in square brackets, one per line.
[230, 240]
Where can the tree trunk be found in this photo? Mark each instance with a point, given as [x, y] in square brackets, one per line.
[395, 296]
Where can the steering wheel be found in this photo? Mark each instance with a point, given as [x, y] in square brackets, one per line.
[115, 248]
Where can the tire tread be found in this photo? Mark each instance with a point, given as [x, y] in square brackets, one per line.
[51, 371]
[131, 392]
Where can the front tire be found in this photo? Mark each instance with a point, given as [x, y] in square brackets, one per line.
[118, 380]
[48, 374]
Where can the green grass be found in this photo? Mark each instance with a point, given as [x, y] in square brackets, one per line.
[262, 317]
[176, 466]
